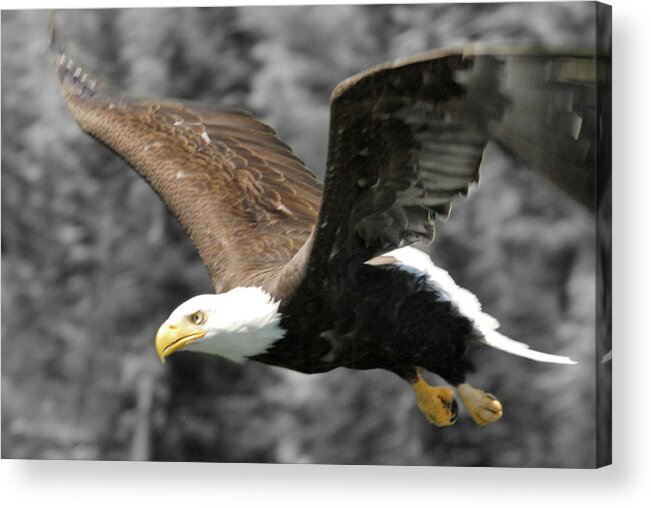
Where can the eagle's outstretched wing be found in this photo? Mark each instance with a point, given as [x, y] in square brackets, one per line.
[407, 138]
[245, 199]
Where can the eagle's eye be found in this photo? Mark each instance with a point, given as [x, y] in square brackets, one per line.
[198, 317]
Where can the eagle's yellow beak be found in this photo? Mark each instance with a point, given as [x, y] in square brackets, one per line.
[174, 336]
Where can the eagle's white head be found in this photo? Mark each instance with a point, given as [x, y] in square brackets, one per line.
[241, 323]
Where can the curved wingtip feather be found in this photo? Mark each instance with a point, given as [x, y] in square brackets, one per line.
[54, 43]
[75, 80]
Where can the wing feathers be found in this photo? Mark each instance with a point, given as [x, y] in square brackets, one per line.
[408, 138]
[543, 111]
[405, 140]
[245, 199]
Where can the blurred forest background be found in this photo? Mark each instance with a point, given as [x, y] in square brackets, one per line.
[92, 262]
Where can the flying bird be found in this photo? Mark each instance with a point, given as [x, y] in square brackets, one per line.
[311, 276]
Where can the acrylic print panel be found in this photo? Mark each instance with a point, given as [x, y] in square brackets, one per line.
[93, 262]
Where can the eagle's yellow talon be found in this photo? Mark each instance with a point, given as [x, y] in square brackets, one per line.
[436, 402]
[483, 407]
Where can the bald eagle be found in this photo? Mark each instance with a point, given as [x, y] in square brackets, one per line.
[311, 276]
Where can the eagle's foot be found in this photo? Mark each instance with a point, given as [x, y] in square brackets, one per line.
[483, 407]
[436, 402]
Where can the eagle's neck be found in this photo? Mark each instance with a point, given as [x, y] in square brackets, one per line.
[246, 323]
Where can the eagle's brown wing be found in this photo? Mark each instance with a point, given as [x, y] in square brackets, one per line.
[245, 199]
[407, 138]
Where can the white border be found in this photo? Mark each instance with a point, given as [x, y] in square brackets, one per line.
[107, 484]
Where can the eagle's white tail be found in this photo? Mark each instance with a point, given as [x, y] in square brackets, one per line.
[470, 307]
[495, 339]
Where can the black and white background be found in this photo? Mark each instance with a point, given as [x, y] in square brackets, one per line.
[81, 232]
[93, 262]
